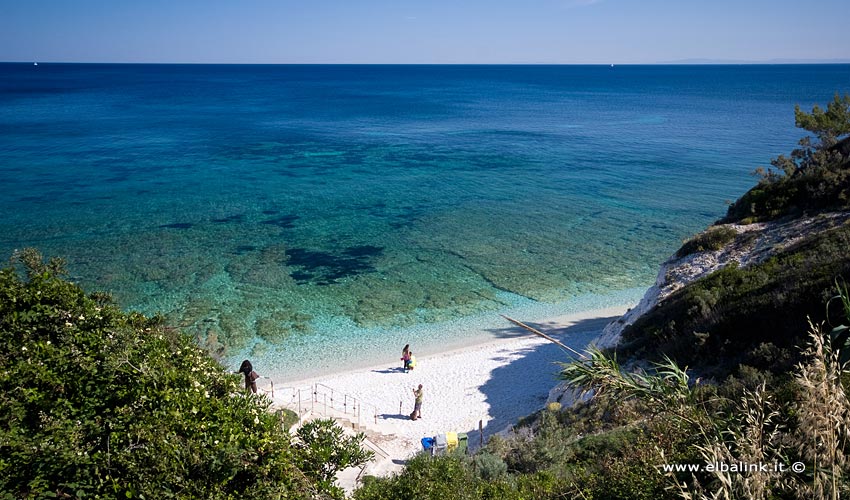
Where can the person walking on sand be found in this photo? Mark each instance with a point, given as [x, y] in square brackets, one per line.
[405, 357]
[250, 376]
[417, 405]
[411, 363]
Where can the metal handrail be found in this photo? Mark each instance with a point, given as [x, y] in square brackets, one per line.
[271, 389]
[300, 399]
[322, 399]
[350, 404]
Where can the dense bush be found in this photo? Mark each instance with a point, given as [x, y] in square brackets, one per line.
[549, 459]
[489, 466]
[98, 403]
[802, 417]
[827, 187]
[714, 238]
[732, 315]
[426, 477]
[324, 450]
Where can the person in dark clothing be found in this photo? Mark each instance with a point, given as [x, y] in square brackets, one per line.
[405, 357]
[250, 376]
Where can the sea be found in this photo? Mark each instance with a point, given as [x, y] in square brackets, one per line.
[316, 218]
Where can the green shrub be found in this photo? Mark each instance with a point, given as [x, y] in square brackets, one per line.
[714, 238]
[424, 476]
[730, 316]
[823, 188]
[287, 417]
[489, 466]
[95, 402]
[324, 450]
[547, 444]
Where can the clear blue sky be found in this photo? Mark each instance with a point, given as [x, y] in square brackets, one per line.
[432, 31]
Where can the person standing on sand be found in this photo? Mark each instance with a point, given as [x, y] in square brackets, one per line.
[250, 376]
[405, 356]
[417, 405]
[411, 363]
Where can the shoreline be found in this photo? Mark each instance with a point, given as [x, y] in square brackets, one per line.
[489, 340]
[494, 379]
[342, 346]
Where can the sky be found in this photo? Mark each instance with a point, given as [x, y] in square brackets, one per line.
[422, 32]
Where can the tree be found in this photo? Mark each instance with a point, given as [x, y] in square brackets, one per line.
[816, 175]
[324, 450]
[828, 126]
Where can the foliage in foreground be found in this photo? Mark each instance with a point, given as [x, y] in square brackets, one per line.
[616, 445]
[324, 450]
[98, 403]
[761, 426]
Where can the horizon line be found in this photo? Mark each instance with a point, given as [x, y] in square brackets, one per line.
[682, 62]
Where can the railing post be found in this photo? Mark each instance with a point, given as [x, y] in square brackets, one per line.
[300, 415]
[481, 433]
[355, 405]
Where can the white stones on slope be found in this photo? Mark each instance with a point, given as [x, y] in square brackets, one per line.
[754, 243]
[765, 239]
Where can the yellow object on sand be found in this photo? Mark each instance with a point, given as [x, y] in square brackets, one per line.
[451, 440]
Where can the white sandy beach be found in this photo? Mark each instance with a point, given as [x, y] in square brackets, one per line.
[495, 382]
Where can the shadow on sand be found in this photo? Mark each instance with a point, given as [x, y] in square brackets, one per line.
[391, 416]
[521, 387]
[397, 369]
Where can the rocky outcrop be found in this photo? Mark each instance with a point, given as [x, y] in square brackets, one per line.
[753, 244]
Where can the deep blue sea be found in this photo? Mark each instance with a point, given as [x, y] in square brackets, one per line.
[313, 217]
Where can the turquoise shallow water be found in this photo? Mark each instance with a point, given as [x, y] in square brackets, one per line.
[316, 216]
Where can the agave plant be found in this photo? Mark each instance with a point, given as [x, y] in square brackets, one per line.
[840, 334]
